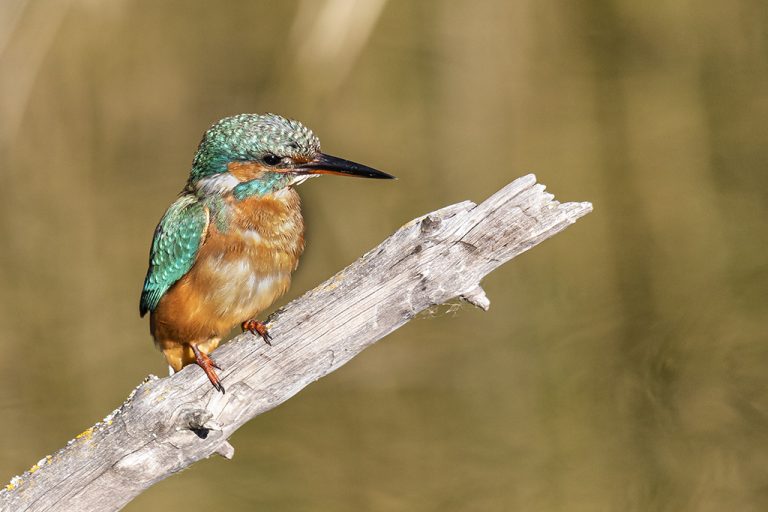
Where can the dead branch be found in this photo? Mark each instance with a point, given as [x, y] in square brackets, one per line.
[167, 424]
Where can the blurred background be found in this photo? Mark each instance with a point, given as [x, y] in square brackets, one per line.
[622, 365]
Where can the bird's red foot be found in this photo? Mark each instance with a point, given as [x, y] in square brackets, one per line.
[207, 364]
[256, 327]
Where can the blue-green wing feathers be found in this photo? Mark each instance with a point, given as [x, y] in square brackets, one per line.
[177, 239]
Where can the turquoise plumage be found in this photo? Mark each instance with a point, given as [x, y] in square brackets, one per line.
[174, 248]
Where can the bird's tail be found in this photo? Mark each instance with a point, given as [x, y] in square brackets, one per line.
[178, 355]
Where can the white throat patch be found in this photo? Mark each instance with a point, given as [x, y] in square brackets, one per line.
[220, 183]
[298, 180]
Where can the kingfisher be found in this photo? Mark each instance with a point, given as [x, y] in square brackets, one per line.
[225, 249]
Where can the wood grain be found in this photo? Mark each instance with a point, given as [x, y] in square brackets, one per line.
[167, 424]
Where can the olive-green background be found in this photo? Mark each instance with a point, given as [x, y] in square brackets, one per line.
[622, 365]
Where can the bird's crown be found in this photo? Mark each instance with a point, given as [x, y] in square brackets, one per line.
[250, 137]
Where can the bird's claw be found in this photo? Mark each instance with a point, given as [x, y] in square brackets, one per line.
[256, 327]
[205, 362]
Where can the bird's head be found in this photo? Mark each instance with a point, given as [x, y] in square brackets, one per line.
[257, 154]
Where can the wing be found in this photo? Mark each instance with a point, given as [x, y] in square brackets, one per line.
[177, 239]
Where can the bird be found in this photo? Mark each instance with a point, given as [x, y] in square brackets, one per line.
[225, 249]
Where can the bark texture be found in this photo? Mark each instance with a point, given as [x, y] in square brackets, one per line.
[167, 424]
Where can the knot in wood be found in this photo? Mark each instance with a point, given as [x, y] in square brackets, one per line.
[430, 224]
[196, 420]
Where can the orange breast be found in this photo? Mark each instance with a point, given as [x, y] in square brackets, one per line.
[239, 271]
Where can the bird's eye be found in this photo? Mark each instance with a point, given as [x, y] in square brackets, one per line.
[271, 159]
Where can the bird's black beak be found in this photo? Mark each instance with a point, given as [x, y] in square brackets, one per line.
[327, 164]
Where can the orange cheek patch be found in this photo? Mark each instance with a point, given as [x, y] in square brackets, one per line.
[245, 171]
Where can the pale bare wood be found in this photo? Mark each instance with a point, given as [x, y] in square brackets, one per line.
[165, 425]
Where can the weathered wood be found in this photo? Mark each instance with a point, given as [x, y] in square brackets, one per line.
[165, 425]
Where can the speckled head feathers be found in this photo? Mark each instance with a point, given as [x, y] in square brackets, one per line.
[249, 137]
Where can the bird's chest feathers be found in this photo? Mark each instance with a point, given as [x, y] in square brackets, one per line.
[247, 262]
